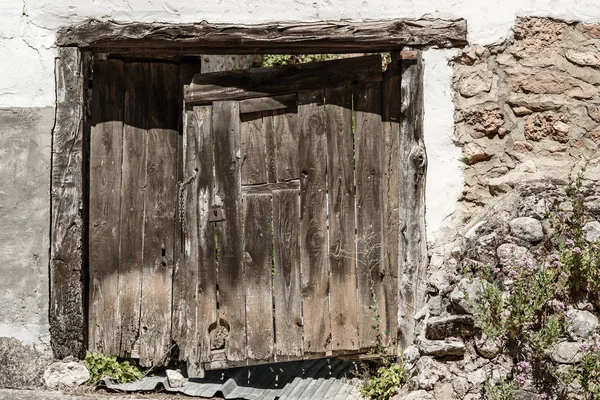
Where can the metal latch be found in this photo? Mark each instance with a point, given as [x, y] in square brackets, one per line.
[216, 214]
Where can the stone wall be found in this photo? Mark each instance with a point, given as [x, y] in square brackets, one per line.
[527, 116]
[529, 109]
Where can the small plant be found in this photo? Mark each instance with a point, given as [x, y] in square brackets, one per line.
[385, 383]
[501, 390]
[588, 371]
[101, 366]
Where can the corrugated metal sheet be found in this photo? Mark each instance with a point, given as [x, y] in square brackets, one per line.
[311, 379]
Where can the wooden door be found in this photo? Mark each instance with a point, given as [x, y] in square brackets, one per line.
[289, 221]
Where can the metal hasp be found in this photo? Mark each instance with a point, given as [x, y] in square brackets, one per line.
[215, 214]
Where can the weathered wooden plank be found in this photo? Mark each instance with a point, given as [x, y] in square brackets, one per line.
[185, 272]
[254, 130]
[106, 146]
[207, 263]
[133, 180]
[266, 188]
[285, 125]
[262, 82]
[194, 282]
[258, 264]
[313, 223]
[160, 206]
[413, 166]
[369, 147]
[269, 125]
[282, 38]
[342, 239]
[391, 110]
[226, 134]
[268, 103]
[67, 227]
[286, 276]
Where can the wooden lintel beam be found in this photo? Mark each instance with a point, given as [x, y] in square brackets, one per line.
[277, 37]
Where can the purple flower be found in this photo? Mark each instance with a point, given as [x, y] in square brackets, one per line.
[527, 263]
[570, 242]
[556, 264]
[523, 367]
[450, 276]
[512, 273]
[475, 315]
[555, 257]
[496, 270]
[576, 250]
[560, 306]
[584, 347]
[543, 396]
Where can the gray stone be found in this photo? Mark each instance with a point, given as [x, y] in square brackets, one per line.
[442, 348]
[415, 395]
[592, 231]
[488, 347]
[21, 366]
[510, 254]
[582, 323]
[436, 305]
[176, 379]
[460, 386]
[411, 354]
[428, 373]
[527, 228]
[444, 391]
[66, 374]
[566, 353]
[451, 326]
[475, 231]
[465, 293]
[520, 394]
[478, 377]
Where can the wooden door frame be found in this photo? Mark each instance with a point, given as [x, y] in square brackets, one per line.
[70, 147]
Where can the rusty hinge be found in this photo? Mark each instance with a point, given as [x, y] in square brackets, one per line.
[216, 214]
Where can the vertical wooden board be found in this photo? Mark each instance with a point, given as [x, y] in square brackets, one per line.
[285, 126]
[207, 264]
[286, 277]
[133, 180]
[185, 274]
[226, 134]
[106, 144]
[390, 95]
[67, 232]
[269, 125]
[342, 239]
[254, 131]
[159, 222]
[258, 264]
[413, 168]
[369, 146]
[194, 280]
[313, 223]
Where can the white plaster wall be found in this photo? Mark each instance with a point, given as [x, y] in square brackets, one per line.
[28, 28]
